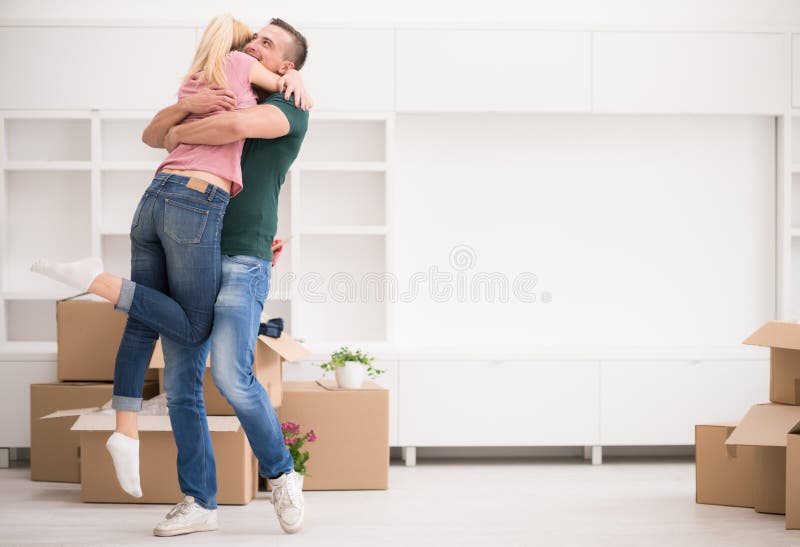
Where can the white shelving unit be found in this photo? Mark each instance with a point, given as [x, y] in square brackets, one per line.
[93, 167]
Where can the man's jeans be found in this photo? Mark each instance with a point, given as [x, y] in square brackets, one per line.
[175, 276]
[237, 313]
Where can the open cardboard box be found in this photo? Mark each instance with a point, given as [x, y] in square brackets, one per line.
[55, 447]
[726, 475]
[269, 355]
[783, 339]
[237, 470]
[767, 428]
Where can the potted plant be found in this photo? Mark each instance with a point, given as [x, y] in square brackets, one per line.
[350, 367]
[295, 442]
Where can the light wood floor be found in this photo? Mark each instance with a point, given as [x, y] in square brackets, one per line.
[624, 502]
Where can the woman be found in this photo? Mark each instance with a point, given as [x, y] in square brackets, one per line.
[175, 237]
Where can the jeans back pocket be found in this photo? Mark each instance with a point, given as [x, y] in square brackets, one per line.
[184, 223]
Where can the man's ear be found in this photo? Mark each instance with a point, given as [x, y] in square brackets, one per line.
[285, 67]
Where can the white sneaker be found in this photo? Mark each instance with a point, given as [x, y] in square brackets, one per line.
[287, 497]
[187, 517]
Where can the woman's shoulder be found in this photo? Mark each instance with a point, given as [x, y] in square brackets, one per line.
[240, 58]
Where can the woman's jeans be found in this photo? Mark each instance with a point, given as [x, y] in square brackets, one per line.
[237, 313]
[175, 276]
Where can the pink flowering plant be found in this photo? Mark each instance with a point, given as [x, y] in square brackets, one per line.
[295, 442]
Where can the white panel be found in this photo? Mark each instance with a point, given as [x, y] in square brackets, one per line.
[48, 140]
[350, 69]
[689, 72]
[621, 219]
[342, 198]
[31, 320]
[498, 404]
[336, 299]
[493, 70]
[15, 399]
[796, 70]
[116, 254]
[122, 141]
[659, 403]
[84, 67]
[48, 217]
[331, 140]
[306, 371]
[121, 192]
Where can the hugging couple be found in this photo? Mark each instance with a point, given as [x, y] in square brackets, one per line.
[236, 128]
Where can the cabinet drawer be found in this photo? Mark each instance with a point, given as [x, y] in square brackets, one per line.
[498, 404]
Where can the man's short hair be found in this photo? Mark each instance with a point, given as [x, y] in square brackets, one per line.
[299, 50]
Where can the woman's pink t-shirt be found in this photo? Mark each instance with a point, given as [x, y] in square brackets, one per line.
[221, 160]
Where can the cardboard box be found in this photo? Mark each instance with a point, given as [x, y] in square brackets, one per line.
[725, 475]
[268, 358]
[767, 427]
[89, 331]
[237, 471]
[793, 482]
[352, 428]
[783, 339]
[54, 448]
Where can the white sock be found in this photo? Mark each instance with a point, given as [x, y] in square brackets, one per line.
[125, 453]
[78, 274]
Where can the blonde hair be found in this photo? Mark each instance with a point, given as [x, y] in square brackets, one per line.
[222, 35]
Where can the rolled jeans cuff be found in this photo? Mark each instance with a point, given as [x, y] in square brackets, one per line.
[126, 296]
[120, 402]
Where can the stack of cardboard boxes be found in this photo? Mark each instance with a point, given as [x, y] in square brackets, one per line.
[89, 332]
[68, 433]
[756, 462]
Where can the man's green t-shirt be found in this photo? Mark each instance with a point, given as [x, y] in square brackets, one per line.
[251, 219]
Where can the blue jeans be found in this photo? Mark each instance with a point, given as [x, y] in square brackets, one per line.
[175, 277]
[237, 313]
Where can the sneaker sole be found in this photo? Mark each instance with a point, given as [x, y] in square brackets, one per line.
[188, 530]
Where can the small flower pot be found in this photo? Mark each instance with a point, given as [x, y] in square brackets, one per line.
[300, 480]
[351, 375]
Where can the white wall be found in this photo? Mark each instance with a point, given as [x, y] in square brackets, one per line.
[648, 231]
[708, 14]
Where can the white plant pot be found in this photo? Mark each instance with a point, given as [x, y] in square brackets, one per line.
[351, 375]
[300, 480]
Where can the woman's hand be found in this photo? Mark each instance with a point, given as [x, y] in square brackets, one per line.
[292, 82]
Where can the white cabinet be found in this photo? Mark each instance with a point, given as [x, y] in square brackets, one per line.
[660, 402]
[308, 371]
[15, 398]
[350, 69]
[460, 403]
[93, 67]
[689, 72]
[493, 70]
[796, 70]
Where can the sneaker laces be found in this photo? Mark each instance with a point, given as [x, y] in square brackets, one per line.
[287, 491]
[181, 508]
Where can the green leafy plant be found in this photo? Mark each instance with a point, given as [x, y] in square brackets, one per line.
[295, 442]
[338, 359]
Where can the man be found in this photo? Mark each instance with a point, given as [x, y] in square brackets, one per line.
[275, 130]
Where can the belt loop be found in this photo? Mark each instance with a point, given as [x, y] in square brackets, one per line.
[213, 192]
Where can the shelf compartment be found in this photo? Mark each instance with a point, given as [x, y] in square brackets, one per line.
[116, 253]
[30, 320]
[361, 318]
[343, 198]
[121, 192]
[335, 140]
[48, 140]
[58, 228]
[121, 140]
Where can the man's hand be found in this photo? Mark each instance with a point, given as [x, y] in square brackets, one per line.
[209, 100]
[292, 82]
[171, 139]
